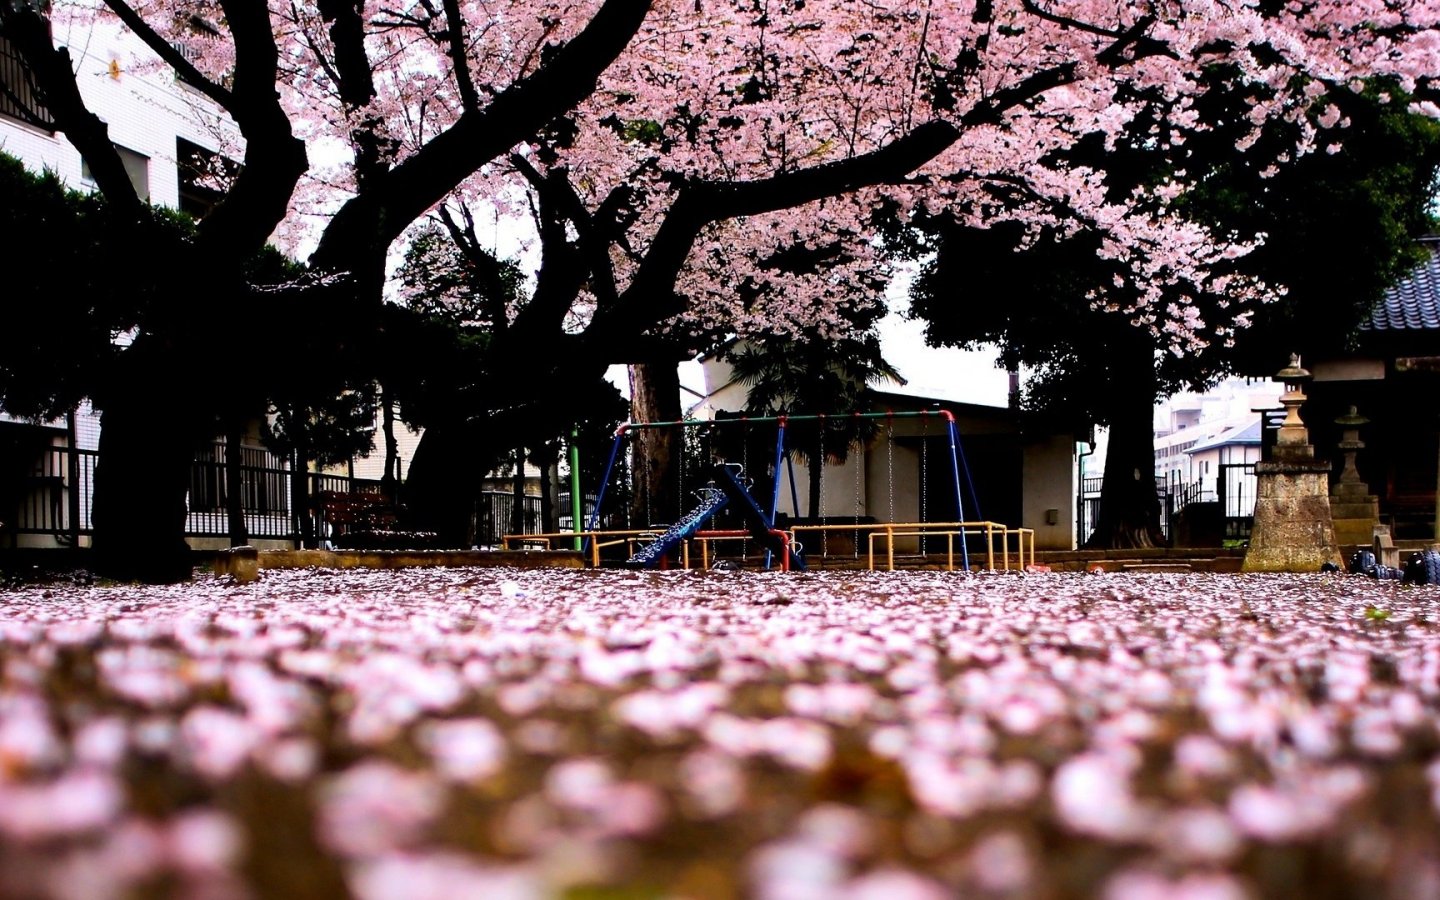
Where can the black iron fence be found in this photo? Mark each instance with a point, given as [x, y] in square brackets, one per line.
[1234, 489]
[1089, 511]
[264, 487]
[55, 497]
[495, 517]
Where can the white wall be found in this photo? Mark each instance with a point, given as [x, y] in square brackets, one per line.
[1046, 490]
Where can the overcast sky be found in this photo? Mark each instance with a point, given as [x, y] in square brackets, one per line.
[962, 376]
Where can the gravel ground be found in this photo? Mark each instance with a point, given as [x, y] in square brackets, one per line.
[505, 734]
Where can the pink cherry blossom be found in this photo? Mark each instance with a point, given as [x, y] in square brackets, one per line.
[375, 807]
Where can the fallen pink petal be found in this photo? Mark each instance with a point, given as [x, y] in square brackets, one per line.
[428, 733]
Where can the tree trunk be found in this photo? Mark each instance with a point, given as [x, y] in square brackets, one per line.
[1129, 514]
[443, 482]
[300, 498]
[655, 397]
[547, 497]
[390, 481]
[141, 481]
[547, 459]
[517, 496]
[234, 483]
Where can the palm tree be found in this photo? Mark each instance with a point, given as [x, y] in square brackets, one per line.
[813, 377]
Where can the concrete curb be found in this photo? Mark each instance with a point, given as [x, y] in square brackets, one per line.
[244, 563]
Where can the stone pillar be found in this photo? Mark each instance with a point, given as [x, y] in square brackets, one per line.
[1354, 510]
[1293, 530]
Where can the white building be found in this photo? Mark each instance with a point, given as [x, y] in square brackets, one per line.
[1189, 422]
[1206, 445]
[160, 126]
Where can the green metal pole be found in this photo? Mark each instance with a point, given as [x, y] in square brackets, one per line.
[576, 504]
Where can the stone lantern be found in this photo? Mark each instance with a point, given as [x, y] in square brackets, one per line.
[1293, 441]
[1293, 530]
[1353, 508]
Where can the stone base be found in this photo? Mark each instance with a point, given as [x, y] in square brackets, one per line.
[1293, 530]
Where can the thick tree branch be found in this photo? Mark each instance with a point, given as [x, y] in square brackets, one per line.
[562, 271]
[455, 32]
[371, 221]
[595, 232]
[487, 267]
[356, 86]
[274, 158]
[1122, 38]
[167, 51]
[650, 297]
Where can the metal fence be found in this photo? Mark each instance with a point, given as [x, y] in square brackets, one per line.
[56, 496]
[1237, 487]
[264, 487]
[1234, 490]
[1089, 510]
[495, 517]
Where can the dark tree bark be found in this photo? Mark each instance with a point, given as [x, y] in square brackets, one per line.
[1129, 505]
[234, 484]
[443, 482]
[300, 498]
[390, 481]
[141, 480]
[655, 397]
[547, 459]
[517, 494]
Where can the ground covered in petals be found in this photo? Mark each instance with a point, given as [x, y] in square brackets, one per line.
[504, 734]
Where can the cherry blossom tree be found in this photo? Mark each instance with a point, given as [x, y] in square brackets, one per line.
[1338, 227]
[673, 202]
[676, 152]
[289, 75]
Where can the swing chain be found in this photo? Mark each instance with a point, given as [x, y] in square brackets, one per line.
[858, 466]
[890, 465]
[924, 484]
[824, 535]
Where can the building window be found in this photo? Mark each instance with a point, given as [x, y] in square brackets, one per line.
[203, 175]
[19, 95]
[137, 166]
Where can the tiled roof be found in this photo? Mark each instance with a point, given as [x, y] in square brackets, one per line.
[1414, 303]
[1240, 434]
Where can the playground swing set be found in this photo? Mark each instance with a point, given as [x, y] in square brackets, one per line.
[729, 490]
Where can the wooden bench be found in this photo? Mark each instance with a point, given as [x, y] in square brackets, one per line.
[365, 520]
[356, 512]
